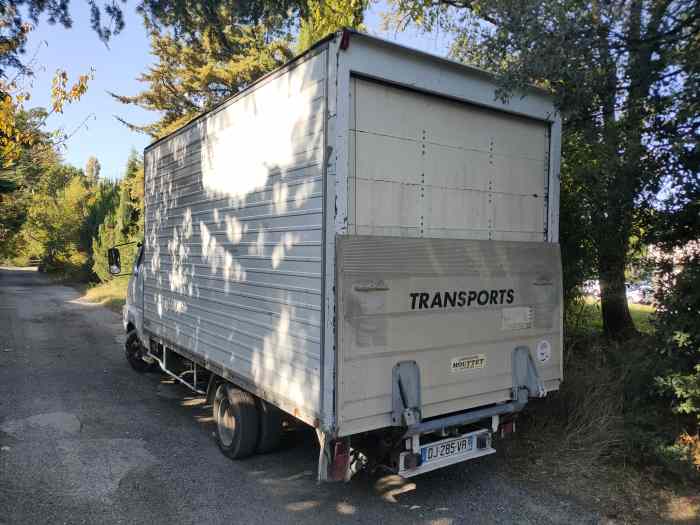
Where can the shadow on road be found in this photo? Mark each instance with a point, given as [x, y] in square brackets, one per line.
[85, 439]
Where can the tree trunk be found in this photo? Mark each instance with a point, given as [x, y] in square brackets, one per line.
[616, 223]
[617, 321]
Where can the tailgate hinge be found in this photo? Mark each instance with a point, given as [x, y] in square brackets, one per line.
[405, 396]
[525, 375]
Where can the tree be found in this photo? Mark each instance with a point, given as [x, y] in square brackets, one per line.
[92, 170]
[193, 19]
[130, 211]
[55, 218]
[107, 236]
[21, 178]
[206, 54]
[123, 220]
[618, 71]
[25, 147]
[104, 199]
[18, 16]
[187, 19]
[327, 16]
[193, 75]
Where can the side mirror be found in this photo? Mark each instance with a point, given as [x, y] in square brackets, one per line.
[114, 261]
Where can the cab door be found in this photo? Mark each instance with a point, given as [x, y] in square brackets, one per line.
[134, 299]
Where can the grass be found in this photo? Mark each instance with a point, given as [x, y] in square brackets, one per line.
[641, 315]
[582, 440]
[577, 441]
[111, 294]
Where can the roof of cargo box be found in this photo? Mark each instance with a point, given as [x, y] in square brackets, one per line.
[346, 31]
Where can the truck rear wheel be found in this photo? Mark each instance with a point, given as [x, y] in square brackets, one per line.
[270, 427]
[237, 421]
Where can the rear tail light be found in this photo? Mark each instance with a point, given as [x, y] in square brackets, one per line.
[507, 428]
[341, 460]
[411, 461]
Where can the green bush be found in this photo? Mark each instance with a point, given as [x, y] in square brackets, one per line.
[678, 339]
[122, 221]
[662, 385]
[108, 235]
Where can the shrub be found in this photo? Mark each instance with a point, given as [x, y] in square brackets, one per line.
[677, 339]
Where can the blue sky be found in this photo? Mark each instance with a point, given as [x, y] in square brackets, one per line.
[116, 69]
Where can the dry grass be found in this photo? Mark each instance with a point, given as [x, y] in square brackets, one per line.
[554, 460]
[111, 294]
[572, 443]
[693, 444]
[580, 426]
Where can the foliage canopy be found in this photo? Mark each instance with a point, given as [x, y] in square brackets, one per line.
[625, 76]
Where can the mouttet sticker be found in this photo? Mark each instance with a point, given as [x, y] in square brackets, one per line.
[464, 364]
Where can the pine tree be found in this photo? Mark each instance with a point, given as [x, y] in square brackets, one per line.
[122, 221]
[92, 170]
[194, 74]
[209, 52]
[129, 214]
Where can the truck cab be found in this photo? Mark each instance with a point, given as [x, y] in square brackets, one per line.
[132, 311]
[132, 314]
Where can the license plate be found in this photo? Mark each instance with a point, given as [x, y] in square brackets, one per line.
[446, 448]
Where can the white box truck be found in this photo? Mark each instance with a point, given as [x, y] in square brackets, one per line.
[364, 240]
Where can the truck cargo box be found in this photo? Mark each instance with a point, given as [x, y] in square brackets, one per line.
[363, 207]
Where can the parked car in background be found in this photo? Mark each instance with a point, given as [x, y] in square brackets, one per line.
[640, 293]
[591, 288]
[646, 294]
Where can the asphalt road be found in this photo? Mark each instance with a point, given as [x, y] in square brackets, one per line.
[85, 439]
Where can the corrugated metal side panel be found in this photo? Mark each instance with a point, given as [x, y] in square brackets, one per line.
[234, 208]
[382, 320]
[423, 166]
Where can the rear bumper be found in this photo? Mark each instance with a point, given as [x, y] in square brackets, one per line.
[415, 460]
[468, 417]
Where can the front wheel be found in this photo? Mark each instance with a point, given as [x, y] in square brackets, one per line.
[134, 352]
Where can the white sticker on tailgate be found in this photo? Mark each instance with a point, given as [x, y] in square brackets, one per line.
[517, 318]
[472, 362]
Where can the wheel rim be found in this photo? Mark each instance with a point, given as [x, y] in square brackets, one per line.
[226, 423]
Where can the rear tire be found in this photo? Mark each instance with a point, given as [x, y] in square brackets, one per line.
[237, 421]
[270, 427]
[133, 351]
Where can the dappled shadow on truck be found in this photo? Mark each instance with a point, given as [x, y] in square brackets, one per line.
[234, 238]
